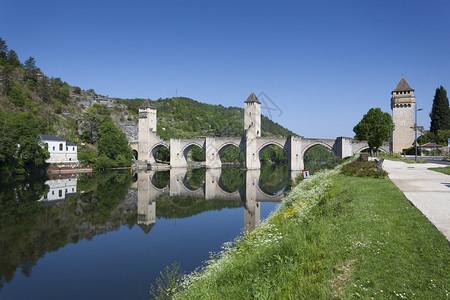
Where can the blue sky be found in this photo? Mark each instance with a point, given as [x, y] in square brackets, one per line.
[324, 63]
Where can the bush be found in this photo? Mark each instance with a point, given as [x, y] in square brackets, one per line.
[122, 161]
[363, 169]
[104, 162]
[77, 90]
[86, 156]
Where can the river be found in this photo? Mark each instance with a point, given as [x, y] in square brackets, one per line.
[110, 234]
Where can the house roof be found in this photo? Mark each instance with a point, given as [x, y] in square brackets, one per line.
[252, 98]
[431, 145]
[46, 137]
[147, 104]
[70, 144]
[403, 86]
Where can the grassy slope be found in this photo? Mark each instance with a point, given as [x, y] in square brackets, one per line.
[445, 170]
[364, 239]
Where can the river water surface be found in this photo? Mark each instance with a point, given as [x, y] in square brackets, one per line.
[108, 235]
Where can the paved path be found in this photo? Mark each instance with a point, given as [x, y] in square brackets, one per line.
[428, 190]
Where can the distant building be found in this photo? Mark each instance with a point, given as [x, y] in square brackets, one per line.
[403, 102]
[60, 150]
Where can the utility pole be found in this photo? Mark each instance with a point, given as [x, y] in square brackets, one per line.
[415, 133]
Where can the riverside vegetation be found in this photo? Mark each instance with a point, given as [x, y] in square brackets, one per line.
[334, 236]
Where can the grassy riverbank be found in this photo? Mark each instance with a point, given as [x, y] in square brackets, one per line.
[334, 236]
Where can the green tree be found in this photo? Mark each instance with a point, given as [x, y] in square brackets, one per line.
[30, 69]
[440, 112]
[374, 128]
[43, 89]
[20, 150]
[3, 51]
[13, 59]
[113, 144]
[6, 79]
[92, 119]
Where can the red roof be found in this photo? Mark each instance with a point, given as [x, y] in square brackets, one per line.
[431, 145]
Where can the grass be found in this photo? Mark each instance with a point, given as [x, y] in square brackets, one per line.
[334, 237]
[398, 157]
[445, 170]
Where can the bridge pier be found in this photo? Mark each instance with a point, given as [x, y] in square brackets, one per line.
[212, 153]
[252, 208]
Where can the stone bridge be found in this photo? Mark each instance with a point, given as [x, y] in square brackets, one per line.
[251, 145]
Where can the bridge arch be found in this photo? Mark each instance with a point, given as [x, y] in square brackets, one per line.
[268, 196]
[188, 147]
[231, 180]
[154, 150]
[318, 143]
[156, 184]
[270, 143]
[381, 149]
[227, 145]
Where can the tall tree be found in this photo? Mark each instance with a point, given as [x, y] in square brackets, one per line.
[13, 59]
[374, 128]
[113, 144]
[3, 51]
[30, 69]
[440, 112]
[6, 79]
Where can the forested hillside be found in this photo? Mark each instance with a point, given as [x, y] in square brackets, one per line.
[33, 103]
[182, 117]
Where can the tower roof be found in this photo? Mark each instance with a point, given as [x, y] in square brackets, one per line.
[252, 98]
[147, 104]
[403, 86]
[146, 227]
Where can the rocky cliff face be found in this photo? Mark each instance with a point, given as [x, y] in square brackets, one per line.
[120, 115]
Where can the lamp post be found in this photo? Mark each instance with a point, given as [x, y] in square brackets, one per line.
[415, 133]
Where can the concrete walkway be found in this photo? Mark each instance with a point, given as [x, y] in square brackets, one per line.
[429, 191]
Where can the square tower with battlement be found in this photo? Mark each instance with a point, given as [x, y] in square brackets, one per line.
[147, 124]
[403, 102]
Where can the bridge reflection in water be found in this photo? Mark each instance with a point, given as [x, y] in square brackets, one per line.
[251, 193]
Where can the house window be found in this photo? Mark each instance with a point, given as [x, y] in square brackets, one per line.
[73, 148]
[53, 192]
[67, 148]
[53, 148]
[60, 193]
[61, 147]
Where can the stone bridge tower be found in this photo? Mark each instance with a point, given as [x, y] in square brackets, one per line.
[403, 102]
[147, 128]
[252, 127]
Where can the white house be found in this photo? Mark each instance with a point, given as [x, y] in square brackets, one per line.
[60, 150]
[60, 189]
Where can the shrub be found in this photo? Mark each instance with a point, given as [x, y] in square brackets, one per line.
[363, 169]
[86, 156]
[104, 162]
